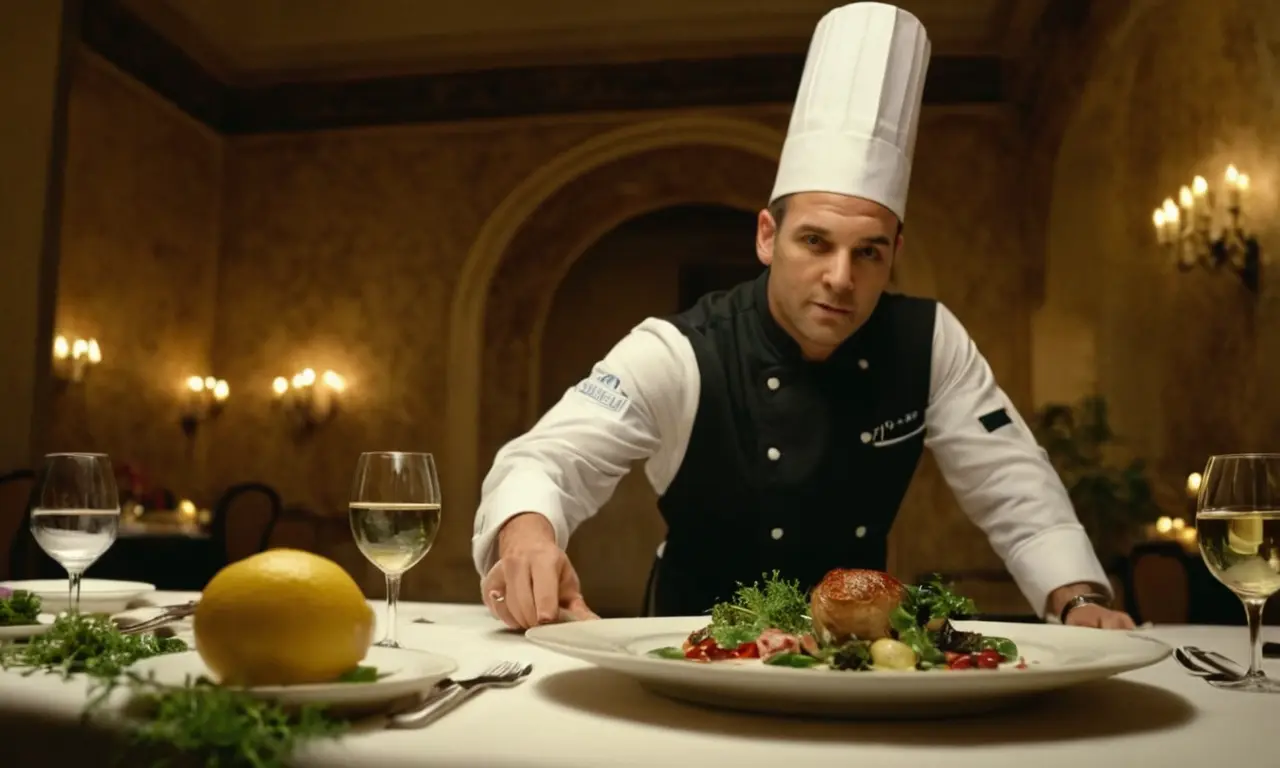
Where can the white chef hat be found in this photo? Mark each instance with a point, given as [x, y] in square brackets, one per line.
[853, 126]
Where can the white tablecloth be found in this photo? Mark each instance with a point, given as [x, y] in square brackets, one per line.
[572, 715]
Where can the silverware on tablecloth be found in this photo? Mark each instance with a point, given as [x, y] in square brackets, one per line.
[450, 693]
[1217, 661]
[167, 615]
[1200, 664]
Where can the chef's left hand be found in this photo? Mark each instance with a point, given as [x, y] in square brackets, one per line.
[1089, 615]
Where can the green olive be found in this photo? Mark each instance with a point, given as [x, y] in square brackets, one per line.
[887, 653]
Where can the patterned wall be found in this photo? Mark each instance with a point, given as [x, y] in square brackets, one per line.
[343, 249]
[1188, 361]
[138, 272]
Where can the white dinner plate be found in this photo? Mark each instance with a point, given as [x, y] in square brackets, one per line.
[24, 631]
[1056, 657]
[96, 595]
[403, 672]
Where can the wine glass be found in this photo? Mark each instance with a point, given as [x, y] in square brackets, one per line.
[77, 515]
[1238, 525]
[395, 515]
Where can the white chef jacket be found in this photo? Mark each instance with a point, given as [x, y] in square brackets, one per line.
[641, 400]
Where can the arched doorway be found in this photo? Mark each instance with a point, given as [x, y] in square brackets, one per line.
[537, 233]
[652, 265]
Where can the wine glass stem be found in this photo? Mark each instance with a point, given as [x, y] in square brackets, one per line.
[393, 599]
[1253, 612]
[73, 591]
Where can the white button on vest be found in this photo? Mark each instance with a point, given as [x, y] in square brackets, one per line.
[863, 364]
[866, 437]
[776, 533]
[773, 382]
[774, 454]
[862, 531]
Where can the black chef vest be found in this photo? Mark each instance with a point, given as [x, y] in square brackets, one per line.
[791, 465]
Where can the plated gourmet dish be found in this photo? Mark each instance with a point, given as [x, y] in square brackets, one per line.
[854, 620]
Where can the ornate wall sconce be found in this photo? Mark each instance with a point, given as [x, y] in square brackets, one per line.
[73, 359]
[1204, 228]
[205, 398]
[308, 400]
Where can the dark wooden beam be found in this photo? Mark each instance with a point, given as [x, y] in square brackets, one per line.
[124, 40]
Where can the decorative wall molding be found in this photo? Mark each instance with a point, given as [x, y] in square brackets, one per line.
[122, 39]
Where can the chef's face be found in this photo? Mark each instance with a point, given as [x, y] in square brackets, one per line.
[830, 258]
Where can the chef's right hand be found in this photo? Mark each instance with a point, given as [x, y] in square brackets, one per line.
[533, 581]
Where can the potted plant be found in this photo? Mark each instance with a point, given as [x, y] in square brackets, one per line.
[1112, 499]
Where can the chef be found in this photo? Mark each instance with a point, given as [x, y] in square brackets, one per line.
[781, 421]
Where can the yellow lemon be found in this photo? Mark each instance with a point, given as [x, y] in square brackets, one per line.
[282, 617]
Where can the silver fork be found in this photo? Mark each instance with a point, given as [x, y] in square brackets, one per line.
[501, 675]
[170, 614]
[1198, 663]
[1217, 661]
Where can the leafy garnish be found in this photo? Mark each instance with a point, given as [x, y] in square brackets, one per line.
[224, 727]
[792, 660]
[18, 607]
[780, 604]
[853, 655]
[934, 600]
[668, 652]
[92, 645]
[362, 675]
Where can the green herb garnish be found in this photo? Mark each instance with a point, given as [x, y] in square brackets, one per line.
[852, 655]
[18, 607]
[668, 652]
[91, 645]
[362, 675]
[792, 660]
[224, 727]
[934, 600]
[780, 604]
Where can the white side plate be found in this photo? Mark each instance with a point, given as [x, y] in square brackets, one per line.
[1056, 657]
[24, 631]
[404, 672]
[96, 595]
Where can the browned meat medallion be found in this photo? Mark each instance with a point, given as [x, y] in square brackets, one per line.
[854, 603]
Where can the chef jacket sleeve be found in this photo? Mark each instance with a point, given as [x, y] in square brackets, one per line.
[637, 403]
[1000, 474]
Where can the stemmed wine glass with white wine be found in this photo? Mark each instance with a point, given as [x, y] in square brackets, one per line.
[1238, 525]
[395, 515]
[77, 514]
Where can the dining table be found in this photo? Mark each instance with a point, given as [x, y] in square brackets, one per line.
[571, 714]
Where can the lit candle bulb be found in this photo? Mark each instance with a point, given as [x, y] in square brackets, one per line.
[1158, 219]
[1233, 185]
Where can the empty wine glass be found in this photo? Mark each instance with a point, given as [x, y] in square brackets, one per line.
[77, 514]
[395, 515]
[1238, 525]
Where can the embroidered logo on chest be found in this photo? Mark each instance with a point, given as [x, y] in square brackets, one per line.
[605, 390]
[892, 431]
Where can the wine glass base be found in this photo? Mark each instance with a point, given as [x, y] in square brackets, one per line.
[387, 644]
[1259, 684]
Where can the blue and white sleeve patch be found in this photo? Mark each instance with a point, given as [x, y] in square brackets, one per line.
[605, 390]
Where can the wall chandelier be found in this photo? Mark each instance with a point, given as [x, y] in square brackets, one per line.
[1204, 228]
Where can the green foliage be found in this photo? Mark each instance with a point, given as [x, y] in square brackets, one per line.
[1112, 499]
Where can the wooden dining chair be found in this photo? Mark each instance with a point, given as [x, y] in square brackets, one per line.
[243, 518]
[295, 528]
[17, 489]
[1159, 584]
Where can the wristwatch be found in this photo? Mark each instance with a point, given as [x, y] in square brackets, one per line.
[1088, 598]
